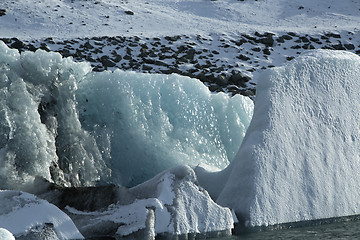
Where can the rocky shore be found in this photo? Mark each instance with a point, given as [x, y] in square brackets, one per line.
[223, 63]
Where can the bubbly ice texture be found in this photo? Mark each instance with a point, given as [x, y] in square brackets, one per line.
[63, 122]
[300, 157]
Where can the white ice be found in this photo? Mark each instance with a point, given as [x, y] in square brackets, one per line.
[300, 157]
[6, 235]
[20, 211]
[180, 207]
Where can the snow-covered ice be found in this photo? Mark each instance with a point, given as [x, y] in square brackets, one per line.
[300, 157]
[171, 203]
[20, 212]
[6, 235]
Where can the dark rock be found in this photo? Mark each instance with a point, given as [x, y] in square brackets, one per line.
[146, 67]
[315, 40]
[296, 47]
[324, 37]
[128, 12]
[333, 35]
[107, 62]
[257, 49]
[287, 37]
[65, 52]
[190, 54]
[239, 42]
[304, 39]
[17, 44]
[6, 40]
[82, 198]
[128, 50]
[222, 80]
[117, 58]
[338, 46]
[289, 58]
[166, 71]
[45, 47]
[243, 57]
[2, 12]
[280, 40]
[292, 34]
[31, 47]
[160, 63]
[349, 46]
[173, 38]
[90, 59]
[249, 37]
[267, 41]
[127, 57]
[266, 51]
[88, 45]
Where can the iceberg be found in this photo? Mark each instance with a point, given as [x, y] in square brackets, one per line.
[61, 121]
[299, 159]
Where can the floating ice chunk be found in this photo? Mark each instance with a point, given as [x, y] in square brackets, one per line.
[300, 157]
[171, 203]
[20, 212]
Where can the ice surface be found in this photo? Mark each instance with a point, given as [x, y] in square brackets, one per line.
[300, 157]
[19, 212]
[63, 122]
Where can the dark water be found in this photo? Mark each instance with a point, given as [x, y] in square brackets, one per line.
[337, 230]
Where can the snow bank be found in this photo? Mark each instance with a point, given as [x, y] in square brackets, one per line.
[67, 124]
[171, 203]
[20, 212]
[300, 157]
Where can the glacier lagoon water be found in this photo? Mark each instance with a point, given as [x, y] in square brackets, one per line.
[338, 230]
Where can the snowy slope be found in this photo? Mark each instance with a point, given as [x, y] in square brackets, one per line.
[224, 43]
[80, 18]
